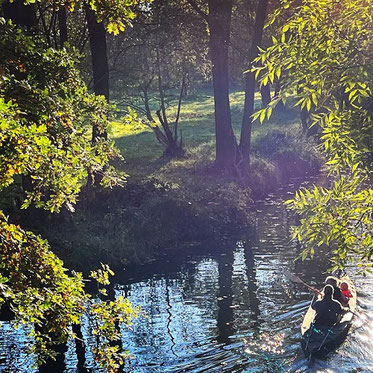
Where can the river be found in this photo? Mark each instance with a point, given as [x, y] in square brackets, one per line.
[230, 311]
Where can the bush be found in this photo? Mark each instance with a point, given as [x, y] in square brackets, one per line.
[292, 154]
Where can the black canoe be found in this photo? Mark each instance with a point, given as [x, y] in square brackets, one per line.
[319, 341]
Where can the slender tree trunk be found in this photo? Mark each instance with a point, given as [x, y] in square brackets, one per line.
[265, 92]
[219, 20]
[100, 66]
[146, 103]
[172, 147]
[280, 105]
[163, 117]
[62, 25]
[304, 116]
[245, 140]
[20, 14]
[24, 16]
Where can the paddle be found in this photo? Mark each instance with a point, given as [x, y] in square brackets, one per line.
[297, 280]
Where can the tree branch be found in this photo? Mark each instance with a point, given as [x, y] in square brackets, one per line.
[198, 9]
[179, 106]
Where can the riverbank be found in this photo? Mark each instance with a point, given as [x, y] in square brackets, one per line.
[171, 205]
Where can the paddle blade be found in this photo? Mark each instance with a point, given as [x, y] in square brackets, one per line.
[291, 276]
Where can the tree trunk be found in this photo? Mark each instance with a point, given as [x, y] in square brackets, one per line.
[245, 140]
[280, 105]
[24, 16]
[219, 20]
[265, 92]
[146, 103]
[62, 26]
[306, 121]
[20, 14]
[304, 116]
[100, 66]
[172, 148]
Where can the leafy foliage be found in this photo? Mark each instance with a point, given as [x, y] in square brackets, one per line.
[118, 13]
[46, 116]
[324, 58]
[36, 287]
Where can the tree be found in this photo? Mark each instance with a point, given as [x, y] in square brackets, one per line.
[19, 13]
[45, 116]
[324, 56]
[156, 63]
[218, 19]
[250, 81]
[100, 66]
[62, 25]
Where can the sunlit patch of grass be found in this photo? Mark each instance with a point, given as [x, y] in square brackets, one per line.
[143, 153]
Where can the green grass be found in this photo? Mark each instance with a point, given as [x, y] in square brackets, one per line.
[143, 153]
[171, 204]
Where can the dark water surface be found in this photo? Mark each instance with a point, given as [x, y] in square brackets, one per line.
[223, 312]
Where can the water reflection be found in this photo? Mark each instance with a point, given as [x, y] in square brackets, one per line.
[227, 312]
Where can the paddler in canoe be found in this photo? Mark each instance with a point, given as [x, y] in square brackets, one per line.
[328, 309]
[327, 322]
[321, 339]
[338, 294]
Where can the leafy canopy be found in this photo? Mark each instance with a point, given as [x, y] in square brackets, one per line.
[46, 118]
[118, 13]
[323, 55]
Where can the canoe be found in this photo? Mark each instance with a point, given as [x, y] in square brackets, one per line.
[319, 341]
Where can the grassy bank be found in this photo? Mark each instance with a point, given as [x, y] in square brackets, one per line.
[279, 148]
[172, 205]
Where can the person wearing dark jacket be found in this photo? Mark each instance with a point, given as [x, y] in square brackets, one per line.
[328, 310]
[337, 295]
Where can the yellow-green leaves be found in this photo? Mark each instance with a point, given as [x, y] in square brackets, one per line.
[40, 291]
[322, 56]
[45, 123]
[46, 119]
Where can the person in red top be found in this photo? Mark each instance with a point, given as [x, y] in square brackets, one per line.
[345, 290]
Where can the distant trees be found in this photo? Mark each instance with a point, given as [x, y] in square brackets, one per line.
[229, 155]
[158, 62]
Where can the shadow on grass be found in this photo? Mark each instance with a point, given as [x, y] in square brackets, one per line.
[143, 154]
